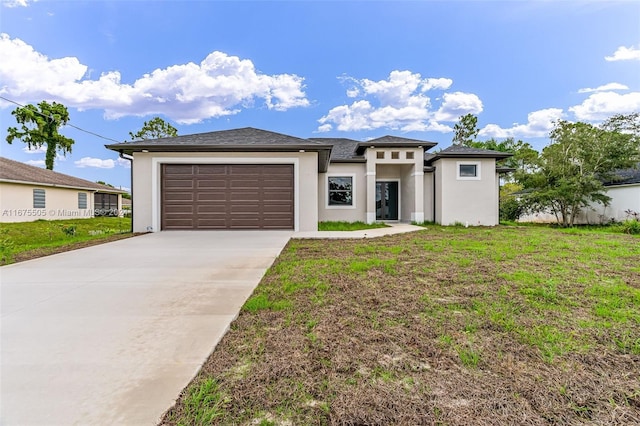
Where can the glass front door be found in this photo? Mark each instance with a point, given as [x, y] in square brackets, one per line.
[386, 200]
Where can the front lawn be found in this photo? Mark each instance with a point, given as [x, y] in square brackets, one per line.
[456, 326]
[349, 226]
[27, 240]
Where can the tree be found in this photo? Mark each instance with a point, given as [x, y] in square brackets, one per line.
[40, 125]
[524, 159]
[581, 157]
[465, 131]
[154, 129]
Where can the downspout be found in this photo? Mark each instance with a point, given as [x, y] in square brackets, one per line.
[130, 159]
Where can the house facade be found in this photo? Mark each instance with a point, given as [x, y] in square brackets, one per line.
[29, 193]
[255, 179]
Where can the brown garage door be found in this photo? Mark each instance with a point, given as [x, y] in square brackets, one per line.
[232, 196]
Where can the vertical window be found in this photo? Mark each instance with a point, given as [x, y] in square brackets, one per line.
[39, 201]
[340, 191]
[82, 200]
[468, 170]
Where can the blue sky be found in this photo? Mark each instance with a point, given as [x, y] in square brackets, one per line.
[310, 69]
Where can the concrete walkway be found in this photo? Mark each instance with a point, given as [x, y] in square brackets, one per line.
[110, 334]
[394, 228]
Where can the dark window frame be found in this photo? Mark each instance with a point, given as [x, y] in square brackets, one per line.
[340, 193]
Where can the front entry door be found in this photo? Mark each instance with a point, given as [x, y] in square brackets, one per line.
[386, 200]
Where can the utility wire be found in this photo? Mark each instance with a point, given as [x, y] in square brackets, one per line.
[70, 125]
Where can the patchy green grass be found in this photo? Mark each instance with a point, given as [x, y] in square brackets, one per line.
[449, 325]
[349, 226]
[26, 240]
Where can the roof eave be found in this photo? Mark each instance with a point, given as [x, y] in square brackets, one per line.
[55, 185]
[324, 151]
[362, 146]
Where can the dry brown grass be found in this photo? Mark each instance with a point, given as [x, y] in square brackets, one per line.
[445, 326]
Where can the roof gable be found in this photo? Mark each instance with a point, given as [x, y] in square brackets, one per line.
[17, 172]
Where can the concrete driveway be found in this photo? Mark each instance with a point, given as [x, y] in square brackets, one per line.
[112, 333]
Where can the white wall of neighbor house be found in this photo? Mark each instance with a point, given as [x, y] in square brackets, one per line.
[472, 201]
[428, 196]
[354, 213]
[147, 181]
[16, 203]
[623, 198]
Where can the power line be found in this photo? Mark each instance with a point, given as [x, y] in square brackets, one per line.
[70, 125]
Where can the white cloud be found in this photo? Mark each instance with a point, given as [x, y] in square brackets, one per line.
[34, 150]
[17, 3]
[123, 163]
[602, 105]
[398, 103]
[625, 54]
[187, 93]
[604, 88]
[95, 162]
[539, 124]
[37, 163]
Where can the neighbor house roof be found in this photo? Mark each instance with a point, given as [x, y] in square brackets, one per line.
[459, 151]
[626, 177]
[245, 139]
[12, 171]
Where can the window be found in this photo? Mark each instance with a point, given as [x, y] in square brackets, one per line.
[409, 155]
[340, 190]
[468, 170]
[105, 204]
[395, 155]
[82, 200]
[39, 201]
[380, 155]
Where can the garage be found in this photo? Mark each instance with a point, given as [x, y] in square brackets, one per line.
[227, 196]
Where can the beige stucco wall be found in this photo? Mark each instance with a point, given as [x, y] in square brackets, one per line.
[16, 203]
[146, 182]
[472, 202]
[623, 197]
[355, 213]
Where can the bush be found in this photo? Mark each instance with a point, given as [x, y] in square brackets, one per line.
[631, 226]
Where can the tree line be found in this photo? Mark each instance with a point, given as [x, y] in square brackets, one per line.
[569, 173]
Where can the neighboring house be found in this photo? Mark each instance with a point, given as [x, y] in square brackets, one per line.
[625, 196]
[255, 179]
[29, 193]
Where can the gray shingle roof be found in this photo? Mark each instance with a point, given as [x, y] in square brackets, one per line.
[459, 151]
[17, 172]
[394, 141]
[344, 150]
[234, 140]
[626, 177]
